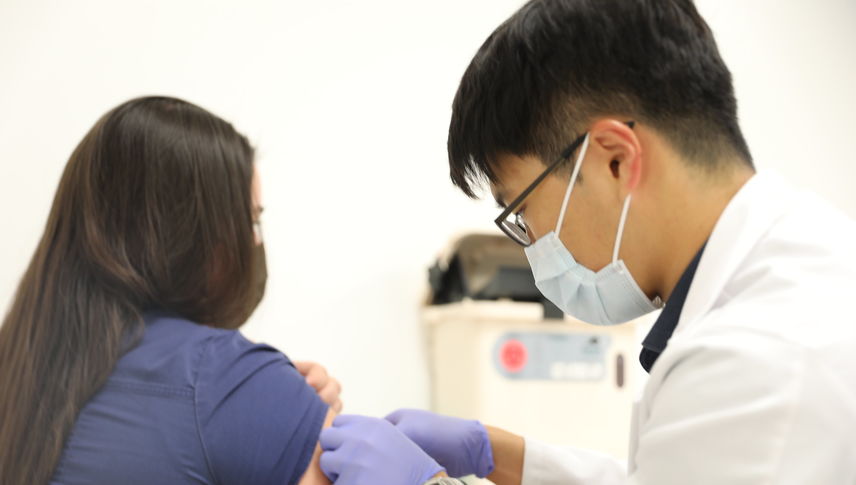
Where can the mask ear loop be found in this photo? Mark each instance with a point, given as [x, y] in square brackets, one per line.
[570, 189]
[621, 222]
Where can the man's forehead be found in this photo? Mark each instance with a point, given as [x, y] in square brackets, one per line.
[512, 172]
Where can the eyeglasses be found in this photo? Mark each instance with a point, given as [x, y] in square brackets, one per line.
[511, 221]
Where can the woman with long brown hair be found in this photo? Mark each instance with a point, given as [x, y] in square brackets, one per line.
[119, 356]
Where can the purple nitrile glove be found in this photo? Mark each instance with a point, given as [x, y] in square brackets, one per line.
[459, 445]
[359, 450]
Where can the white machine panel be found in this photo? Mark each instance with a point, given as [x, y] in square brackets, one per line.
[559, 381]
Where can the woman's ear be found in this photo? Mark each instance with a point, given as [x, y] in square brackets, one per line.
[619, 144]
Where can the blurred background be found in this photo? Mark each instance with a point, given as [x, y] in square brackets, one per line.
[348, 103]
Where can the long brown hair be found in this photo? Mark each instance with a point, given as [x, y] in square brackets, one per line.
[153, 211]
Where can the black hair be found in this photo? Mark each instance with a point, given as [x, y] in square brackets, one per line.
[556, 65]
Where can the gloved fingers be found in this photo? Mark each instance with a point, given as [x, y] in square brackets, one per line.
[332, 438]
[347, 420]
[332, 463]
[343, 429]
[396, 416]
[433, 472]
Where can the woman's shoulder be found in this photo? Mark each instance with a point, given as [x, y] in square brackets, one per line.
[172, 350]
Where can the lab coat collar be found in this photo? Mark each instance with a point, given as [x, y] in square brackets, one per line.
[752, 211]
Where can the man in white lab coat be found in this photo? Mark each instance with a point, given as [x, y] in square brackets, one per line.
[607, 130]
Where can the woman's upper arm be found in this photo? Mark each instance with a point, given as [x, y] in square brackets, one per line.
[314, 475]
[258, 420]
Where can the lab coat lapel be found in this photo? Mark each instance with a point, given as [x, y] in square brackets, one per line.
[749, 215]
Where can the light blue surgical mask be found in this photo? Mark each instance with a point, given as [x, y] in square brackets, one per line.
[607, 297]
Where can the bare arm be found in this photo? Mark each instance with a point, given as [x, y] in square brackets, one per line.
[508, 450]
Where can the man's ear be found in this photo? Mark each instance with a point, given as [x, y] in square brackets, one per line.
[619, 144]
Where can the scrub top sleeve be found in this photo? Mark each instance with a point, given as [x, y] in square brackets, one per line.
[258, 420]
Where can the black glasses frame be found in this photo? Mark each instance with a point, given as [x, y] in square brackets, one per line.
[502, 219]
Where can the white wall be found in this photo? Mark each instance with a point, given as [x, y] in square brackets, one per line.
[348, 103]
[794, 64]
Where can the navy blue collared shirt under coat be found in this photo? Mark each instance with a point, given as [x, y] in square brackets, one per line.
[657, 339]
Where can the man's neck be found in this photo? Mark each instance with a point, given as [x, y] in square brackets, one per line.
[696, 207]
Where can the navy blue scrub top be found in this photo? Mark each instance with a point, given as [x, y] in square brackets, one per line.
[195, 404]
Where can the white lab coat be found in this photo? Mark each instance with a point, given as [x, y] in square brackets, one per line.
[758, 383]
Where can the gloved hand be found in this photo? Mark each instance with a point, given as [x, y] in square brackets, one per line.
[358, 450]
[459, 445]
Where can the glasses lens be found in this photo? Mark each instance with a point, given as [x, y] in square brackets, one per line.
[516, 230]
